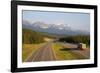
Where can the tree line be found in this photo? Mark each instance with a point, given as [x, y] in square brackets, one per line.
[77, 39]
[29, 37]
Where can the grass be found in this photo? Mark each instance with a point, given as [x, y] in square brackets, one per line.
[28, 49]
[65, 55]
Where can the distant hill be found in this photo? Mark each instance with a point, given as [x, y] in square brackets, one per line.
[29, 36]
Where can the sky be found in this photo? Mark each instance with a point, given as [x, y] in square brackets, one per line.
[77, 21]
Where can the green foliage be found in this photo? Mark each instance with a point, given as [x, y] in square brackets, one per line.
[77, 39]
[28, 49]
[66, 55]
[29, 37]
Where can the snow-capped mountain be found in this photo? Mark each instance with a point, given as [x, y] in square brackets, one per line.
[60, 28]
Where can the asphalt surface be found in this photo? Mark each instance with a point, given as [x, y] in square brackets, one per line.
[44, 53]
[74, 49]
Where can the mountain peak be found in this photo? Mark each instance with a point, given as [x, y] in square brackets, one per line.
[59, 28]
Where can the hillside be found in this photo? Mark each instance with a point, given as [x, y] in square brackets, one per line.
[30, 36]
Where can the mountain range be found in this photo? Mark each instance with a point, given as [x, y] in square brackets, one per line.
[60, 29]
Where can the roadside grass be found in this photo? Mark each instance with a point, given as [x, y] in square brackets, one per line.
[65, 55]
[28, 49]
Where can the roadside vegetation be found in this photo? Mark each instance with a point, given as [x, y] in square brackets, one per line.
[32, 41]
[30, 37]
[65, 55]
[28, 49]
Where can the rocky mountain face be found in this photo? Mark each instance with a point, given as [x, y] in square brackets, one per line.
[56, 29]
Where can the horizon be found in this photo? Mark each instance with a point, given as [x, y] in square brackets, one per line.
[61, 20]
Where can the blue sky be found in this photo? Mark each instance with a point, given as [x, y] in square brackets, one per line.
[78, 21]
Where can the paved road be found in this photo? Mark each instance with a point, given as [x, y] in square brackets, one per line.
[44, 53]
[74, 49]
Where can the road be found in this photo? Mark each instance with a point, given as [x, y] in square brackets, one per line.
[44, 53]
[47, 53]
[74, 49]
